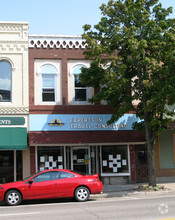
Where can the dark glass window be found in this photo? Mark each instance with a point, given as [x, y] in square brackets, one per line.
[46, 177]
[64, 175]
[80, 90]
[48, 83]
[6, 166]
[5, 81]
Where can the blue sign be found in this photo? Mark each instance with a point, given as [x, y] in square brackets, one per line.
[76, 122]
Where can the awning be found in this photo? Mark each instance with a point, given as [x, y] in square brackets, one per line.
[13, 138]
[82, 137]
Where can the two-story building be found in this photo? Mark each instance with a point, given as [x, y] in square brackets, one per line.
[66, 131]
[14, 96]
[39, 79]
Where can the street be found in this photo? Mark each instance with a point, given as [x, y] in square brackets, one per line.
[159, 207]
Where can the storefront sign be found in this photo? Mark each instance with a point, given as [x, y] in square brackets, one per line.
[7, 121]
[56, 122]
[77, 122]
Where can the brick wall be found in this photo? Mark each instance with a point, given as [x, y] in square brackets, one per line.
[64, 55]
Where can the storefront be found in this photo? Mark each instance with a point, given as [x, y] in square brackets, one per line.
[165, 155]
[83, 143]
[13, 136]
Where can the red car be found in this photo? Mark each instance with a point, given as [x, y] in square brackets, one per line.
[53, 183]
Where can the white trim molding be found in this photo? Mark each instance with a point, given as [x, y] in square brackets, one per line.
[56, 41]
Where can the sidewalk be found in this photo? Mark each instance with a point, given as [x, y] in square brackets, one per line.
[132, 189]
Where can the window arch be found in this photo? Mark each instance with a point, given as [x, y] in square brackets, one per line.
[5, 81]
[48, 83]
[80, 91]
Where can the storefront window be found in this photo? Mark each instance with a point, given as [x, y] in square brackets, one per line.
[114, 159]
[19, 170]
[6, 166]
[93, 160]
[68, 157]
[50, 158]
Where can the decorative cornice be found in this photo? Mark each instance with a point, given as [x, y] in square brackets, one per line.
[13, 31]
[56, 41]
[14, 110]
[12, 47]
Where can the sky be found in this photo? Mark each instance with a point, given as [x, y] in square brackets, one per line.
[57, 17]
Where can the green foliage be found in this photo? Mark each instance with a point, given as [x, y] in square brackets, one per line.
[133, 69]
[133, 48]
[150, 188]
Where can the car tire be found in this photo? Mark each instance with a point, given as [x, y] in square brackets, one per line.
[13, 197]
[82, 194]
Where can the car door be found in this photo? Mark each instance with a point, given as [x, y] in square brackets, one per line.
[66, 184]
[44, 185]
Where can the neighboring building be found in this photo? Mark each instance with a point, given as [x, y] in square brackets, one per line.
[66, 131]
[165, 153]
[14, 104]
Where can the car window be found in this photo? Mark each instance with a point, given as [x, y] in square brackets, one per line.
[47, 176]
[63, 175]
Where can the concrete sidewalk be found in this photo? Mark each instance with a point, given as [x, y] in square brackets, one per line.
[132, 189]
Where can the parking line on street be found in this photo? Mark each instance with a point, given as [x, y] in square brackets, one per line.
[15, 214]
[168, 219]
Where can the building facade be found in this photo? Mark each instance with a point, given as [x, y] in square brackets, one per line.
[14, 104]
[47, 122]
[65, 130]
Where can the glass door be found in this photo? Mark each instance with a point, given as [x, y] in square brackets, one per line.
[80, 160]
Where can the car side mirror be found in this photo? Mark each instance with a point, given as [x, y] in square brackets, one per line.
[30, 181]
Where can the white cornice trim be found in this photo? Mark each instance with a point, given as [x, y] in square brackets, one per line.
[56, 41]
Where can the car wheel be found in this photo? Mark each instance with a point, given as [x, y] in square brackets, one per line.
[13, 197]
[82, 194]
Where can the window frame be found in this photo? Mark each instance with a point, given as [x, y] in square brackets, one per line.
[128, 161]
[79, 88]
[55, 87]
[38, 81]
[71, 64]
[11, 70]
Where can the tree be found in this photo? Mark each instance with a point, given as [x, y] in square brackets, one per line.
[133, 53]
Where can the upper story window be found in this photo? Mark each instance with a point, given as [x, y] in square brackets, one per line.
[78, 94]
[47, 83]
[80, 91]
[48, 73]
[5, 81]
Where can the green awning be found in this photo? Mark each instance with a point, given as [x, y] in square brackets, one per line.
[13, 138]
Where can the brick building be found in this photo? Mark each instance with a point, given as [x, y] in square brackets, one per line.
[41, 96]
[66, 131]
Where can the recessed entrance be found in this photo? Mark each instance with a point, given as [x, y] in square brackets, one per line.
[141, 163]
[80, 160]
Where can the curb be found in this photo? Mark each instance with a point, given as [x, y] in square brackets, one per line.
[130, 192]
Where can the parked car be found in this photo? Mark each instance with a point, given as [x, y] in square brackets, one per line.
[55, 183]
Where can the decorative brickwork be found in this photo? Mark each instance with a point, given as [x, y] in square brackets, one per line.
[56, 42]
[15, 110]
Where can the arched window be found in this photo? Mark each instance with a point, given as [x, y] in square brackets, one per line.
[48, 86]
[80, 91]
[5, 81]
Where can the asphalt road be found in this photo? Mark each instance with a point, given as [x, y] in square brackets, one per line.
[159, 207]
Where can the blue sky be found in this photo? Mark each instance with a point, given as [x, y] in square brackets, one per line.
[60, 17]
